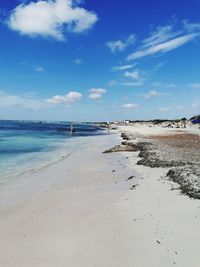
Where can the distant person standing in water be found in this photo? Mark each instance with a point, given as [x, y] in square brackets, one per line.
[108, 126]
[72, 130]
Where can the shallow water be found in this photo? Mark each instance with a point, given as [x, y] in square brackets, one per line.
[27, 145]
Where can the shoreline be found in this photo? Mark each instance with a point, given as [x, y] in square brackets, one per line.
[50, 158]
[96, 209]
[49, 217]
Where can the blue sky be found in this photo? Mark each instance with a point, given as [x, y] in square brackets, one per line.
[99, 60]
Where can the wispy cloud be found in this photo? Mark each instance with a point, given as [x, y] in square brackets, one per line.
[67, 99]
[29, 102]
[51, 18]
[21, 101]
[165, 39]
[120, 45]
[164, 85]
[159, 66]
[159, 35]
[163, 47]
[131, 84]
[191, 27]
[130, 106]
[123, 67]
[154, 93]
[135, 76]
[96, 93]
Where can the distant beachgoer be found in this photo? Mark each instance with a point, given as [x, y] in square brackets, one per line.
[72, 130]
[108, 126]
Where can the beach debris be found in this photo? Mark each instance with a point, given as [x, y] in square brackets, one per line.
[158, 242]
[179, 152]
[152, 158]
[133, 186]
[125, 136]
[122, 148]
[131, 177]
[188, 178]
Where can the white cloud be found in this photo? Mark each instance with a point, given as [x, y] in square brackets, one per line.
[96, 93]
[159, 35]
[51, 18]
[164, 109]
[124, 67]
[132, 84]
[163, 47]
[23, 101]
[95, 96]
[98, 90]
[67, 99]
[130, 106]
[191, 27]
[116, 46]
[131, 39]
[152, 94]
[27, 101]
[136, 76]
[164, 39]
[119, 45]
[166, 85]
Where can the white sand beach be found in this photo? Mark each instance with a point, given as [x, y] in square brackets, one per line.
[83, 211]
[99, 133]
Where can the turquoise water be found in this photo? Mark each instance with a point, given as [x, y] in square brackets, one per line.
[25, 146]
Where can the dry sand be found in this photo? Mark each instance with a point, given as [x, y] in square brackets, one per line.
[83, 211]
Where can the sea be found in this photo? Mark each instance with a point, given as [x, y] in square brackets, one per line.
[28, 145]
